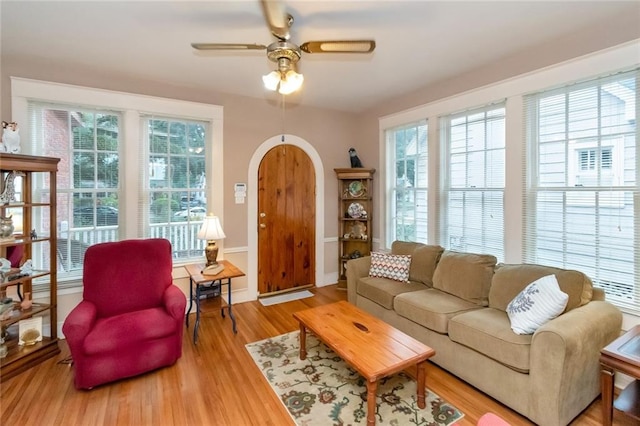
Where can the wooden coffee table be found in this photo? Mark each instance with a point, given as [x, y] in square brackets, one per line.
[371, 346]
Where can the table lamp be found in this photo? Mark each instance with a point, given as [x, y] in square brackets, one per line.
[211, 231]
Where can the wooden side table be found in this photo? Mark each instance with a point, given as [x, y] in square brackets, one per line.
[198, 280]
[623, 355]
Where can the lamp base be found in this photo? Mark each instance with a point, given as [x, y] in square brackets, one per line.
[213, 269]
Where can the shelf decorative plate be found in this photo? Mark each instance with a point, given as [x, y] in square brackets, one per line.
[356, 189]
[30, 337]
[356, 210]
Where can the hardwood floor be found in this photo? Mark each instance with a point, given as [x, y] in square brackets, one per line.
[214, 383]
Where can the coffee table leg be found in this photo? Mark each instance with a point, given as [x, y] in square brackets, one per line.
[421, 384]
[303, 342]
[372, 386]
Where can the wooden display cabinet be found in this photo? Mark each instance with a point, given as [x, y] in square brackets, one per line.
[355, 206]
[33, 208]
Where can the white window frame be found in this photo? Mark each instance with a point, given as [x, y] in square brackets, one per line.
[132, 107]
[624, 56]
[601, 246]
[413, 193]
[486, 237]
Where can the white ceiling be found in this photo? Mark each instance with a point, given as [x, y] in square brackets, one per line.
[418, 42]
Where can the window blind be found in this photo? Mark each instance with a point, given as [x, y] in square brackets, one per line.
[471, 210]
[582, 197]
[174, 176]
[87, 142]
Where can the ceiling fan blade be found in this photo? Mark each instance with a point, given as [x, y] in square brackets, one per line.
[277, 19]
[339, 46]
[227, 46]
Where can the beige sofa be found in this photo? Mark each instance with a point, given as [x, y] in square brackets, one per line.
[456, 303]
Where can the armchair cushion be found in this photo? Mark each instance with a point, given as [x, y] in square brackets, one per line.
[121, 330]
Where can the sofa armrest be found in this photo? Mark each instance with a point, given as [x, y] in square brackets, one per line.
[565, 355]
[79, 322]
[356, 269]
[175, 302]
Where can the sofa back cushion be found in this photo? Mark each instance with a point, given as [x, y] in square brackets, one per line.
[509, 280]
[424, 259]
[465, 275]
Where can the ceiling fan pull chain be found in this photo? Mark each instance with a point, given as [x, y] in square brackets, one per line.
[283, 111]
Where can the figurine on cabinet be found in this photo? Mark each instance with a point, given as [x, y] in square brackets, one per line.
[10, 138]
[358, 230]
[27, 267]
[354, 159]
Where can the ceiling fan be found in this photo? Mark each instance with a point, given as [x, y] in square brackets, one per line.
[285, 53]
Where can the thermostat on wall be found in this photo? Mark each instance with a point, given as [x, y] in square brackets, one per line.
[240, 191]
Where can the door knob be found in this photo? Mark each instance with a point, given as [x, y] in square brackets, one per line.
[262, 225]
[263, 214]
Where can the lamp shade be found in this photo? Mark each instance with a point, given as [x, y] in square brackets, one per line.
[211, 229]
[291, 82]
[271, 80]
[285, 82]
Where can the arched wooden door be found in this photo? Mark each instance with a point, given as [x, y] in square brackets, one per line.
[286, 220]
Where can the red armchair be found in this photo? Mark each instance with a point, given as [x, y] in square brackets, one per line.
[130, 319]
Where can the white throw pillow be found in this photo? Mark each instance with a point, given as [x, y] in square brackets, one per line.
[392, 266]
[540, 302]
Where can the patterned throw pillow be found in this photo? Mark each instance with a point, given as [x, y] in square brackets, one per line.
[540, 302]
[392, 266]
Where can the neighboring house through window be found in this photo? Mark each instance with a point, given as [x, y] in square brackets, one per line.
[582, 210]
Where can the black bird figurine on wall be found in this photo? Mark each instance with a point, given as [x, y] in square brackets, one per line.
[353, 156]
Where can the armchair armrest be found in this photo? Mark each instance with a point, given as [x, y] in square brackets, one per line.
[79, 322]
[356, 269]
[565, 355]
[174, 302]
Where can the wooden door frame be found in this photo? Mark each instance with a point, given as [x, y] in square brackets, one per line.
[252, 208]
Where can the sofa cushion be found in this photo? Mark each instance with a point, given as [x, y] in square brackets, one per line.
[488, 331]
[466, 275]
[509, 280]
[404, 247]
[424, 259]
[383, 290]
[539, 302]
[117, 332]
[431, 308]
[392, 266]
[423, 263]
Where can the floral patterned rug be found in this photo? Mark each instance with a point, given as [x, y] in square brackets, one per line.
[324, 390]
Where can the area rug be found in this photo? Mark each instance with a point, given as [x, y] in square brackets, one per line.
[324, 390]
[286, 297]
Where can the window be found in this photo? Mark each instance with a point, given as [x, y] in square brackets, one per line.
[474, 183]
[582, 205]
[87, 143]
[408, 190]
[124, 173]
[176, 183]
